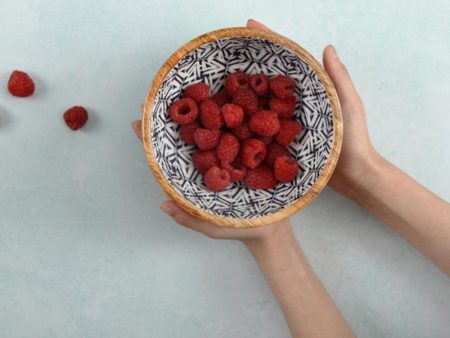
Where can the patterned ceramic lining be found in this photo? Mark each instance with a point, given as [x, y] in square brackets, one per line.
[211, 63]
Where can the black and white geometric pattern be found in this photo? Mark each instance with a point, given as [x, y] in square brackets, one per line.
[211, 63]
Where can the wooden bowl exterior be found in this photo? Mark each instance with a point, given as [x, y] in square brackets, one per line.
[228, 221]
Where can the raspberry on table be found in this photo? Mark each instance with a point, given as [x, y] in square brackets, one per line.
[228, 147]
[216, 179]
[289, 129]
[220, 98]
[247, 99]
[236, 81]
[206, 139]
[265, 123]
[282, 86]
[242, 132]
[236, 169]
[184, 111]
[285, 168]
[274, 150]
[284, 107]
[260, 84]
[253, 152]
[261, 177]
[75, 117]
[233, 115]
[199, 92]
[210, 115]
[187, 132]
[20, 84]
[204, 159]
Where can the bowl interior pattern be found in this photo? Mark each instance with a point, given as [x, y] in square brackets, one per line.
[211, 63]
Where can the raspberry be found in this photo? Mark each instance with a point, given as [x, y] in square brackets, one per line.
[210, 115]
[289, 130]
[199, 92]
[228, 147]
[282, 86]
[265, 123]
[232, 114]
[253, 152]
[284, 107]
[206, 139]
[75, 117]
[285, 169]
[216, 179]
[187, 132]
[20, 84]
[236, 169]
[247, 100]
[263, 103]
[220, 98]
[274, 150]
[259, 83]
[260, 178]
[204, 159]
[236, 81]
[183, 111]
[266, 139]
[242, 132]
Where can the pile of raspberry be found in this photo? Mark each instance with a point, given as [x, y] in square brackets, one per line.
[243, 132]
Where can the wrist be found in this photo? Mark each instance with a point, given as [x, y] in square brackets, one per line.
[371, 169]
[280, 236]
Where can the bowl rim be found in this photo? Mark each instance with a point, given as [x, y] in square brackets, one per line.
[190, 207]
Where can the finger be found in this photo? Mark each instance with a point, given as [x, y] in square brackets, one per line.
[137, 127]
[340, 76]
[183, 218]
[251, 23]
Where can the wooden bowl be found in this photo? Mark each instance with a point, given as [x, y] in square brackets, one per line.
[209, 58]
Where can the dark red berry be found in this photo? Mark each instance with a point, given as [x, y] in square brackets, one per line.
[206, 139]
[285, 169]
[253, 152]
[228, 147]
[236, 169]
[247, 100]
[75, 117]
[20, 84]
[183, 111]
[204, 159]
[210, 115]
[187, 132]
[265, 123]
[289, 129]
[199, 92]
[282, 86]
[235, 81]
[284, 107]
[216, 179]
[233, 115]
[221, 98]
[259, 83]
[275, 150]
[261, 177]
[242, 132]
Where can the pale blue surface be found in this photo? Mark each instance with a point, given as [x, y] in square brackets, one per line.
[84, 250]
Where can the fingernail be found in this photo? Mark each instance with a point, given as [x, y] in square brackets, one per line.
[334, 51]
[167, 207]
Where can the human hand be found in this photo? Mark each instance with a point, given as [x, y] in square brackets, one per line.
[357, 154]
[247, 235]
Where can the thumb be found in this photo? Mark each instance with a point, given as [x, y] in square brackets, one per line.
[340, 77]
